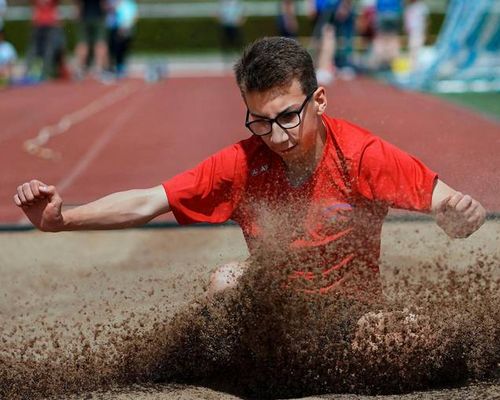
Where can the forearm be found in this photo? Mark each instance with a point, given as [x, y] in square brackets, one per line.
[117, 211]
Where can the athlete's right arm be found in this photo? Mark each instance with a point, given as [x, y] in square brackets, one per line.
[42, 204]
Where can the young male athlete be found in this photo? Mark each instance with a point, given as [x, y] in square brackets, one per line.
[314, 185]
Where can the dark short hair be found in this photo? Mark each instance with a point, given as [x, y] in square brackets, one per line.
[274, 62]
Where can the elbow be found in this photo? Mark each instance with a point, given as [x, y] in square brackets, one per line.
[143, 214]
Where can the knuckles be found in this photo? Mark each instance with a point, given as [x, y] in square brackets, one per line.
[26, 192]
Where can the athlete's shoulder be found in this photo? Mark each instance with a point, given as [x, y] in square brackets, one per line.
[240, 151]
[253, 152]
[351, 138]
[251, 146]
[238, 160]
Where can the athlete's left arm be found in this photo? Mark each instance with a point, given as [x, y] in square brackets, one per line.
[459, 215]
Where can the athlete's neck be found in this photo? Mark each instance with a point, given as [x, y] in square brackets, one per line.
[300, 170]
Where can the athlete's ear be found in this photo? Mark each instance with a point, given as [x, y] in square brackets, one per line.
[320, 100]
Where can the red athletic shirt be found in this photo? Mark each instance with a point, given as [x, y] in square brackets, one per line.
[331, 223]
[45, 13]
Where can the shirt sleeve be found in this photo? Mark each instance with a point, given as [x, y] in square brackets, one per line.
[389, 175]
[209, 192]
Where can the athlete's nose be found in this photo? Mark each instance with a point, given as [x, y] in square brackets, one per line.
[278, 134]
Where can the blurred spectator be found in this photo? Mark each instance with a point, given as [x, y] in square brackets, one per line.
[333, 36]
[231, 19]
[91, 36]
[386, 46]
[288, 24]
[45, 57]
[121, 19]
[8, 57]
[344, 23]
[320, 12]
[365, 25]
[3, 11]
[415, 22]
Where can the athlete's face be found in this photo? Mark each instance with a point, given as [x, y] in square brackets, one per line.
[298, 142]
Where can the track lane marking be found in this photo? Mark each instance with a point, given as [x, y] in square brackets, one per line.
[37, 146]
[96, 148]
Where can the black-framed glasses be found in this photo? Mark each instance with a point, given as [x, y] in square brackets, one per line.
[285, 120]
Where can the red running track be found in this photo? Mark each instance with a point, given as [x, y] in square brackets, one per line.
[135, 134]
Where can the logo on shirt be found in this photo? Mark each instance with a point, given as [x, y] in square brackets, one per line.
[259, 170]
[338, 212]
[330, 218]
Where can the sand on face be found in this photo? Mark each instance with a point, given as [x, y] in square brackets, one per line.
[66, 285]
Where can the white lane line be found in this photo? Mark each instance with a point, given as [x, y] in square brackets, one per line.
[38, 145]
[96, 148]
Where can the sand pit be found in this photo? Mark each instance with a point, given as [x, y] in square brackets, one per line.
[66, 292]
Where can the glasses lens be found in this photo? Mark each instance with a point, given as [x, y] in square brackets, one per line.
[260, 127]
[288, 120]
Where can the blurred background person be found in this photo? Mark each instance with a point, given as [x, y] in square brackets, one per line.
[3, 11]
[323, 39]
[91, 44]
[8, 57]
[231, 18]
[415, 24]
[344, 24]
[45, 56]
[386, 45]
[288, 25]
[121, 18]
[365, 23]
[333, 36]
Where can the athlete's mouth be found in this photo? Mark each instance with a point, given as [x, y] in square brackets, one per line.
[288, 149]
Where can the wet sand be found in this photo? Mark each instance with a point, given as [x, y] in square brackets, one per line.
[63, 286]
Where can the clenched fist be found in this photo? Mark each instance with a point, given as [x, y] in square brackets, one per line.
[460, 215]
[41, 204]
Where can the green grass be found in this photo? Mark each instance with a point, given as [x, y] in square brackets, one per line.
[486, 103]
